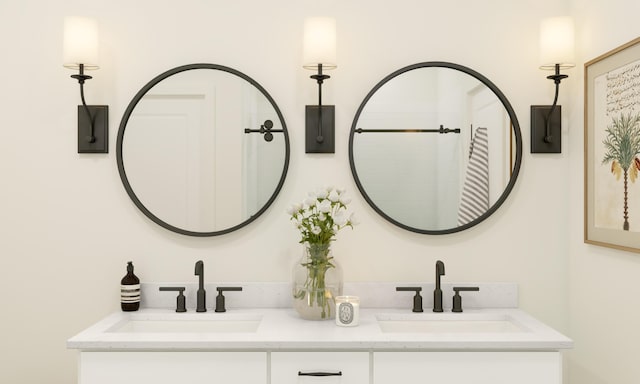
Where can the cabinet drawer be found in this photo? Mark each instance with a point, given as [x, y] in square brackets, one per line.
[467, 367]
[173, 367]
[353, 367]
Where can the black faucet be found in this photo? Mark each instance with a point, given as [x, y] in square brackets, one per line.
[417, 299]
[202, 294]
[437, 293]
[180, 300]
[220, 298]
[457, 299]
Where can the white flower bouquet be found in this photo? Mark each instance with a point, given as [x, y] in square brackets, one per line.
[318, 218]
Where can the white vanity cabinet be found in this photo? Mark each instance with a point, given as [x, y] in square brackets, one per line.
[172, 367]
[467, 367]
[320, 367]
[158, 346]
[329, 367]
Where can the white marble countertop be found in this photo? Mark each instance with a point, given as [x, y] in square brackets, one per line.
[283, 329]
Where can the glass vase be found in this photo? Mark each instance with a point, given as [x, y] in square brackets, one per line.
[317, 281]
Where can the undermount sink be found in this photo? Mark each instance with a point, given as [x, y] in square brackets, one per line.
[449, 323]
[188, 323]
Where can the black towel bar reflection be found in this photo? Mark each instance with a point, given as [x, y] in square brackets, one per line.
[265, 129]
[441, 130]
[319, 374]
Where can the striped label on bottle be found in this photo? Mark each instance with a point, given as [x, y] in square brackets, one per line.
[130, 293]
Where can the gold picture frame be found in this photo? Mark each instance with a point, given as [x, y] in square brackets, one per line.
[612, 149]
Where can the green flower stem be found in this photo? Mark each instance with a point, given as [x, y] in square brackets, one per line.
[317, 294]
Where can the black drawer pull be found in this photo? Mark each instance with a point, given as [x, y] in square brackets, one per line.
[319, 374]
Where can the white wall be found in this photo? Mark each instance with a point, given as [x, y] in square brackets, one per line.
[68, 227]
[604, 289]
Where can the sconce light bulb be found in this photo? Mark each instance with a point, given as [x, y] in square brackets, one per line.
[319, 43]
[557, 43]
[80, 43]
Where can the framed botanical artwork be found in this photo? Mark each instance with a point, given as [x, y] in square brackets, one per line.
[612, 148]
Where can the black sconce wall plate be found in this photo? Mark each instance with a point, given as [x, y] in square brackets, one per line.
[100, 114]
[539, 115]
[313, 116]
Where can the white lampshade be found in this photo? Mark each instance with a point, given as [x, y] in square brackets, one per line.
[556, 43]
[319, 43]
[80, 44]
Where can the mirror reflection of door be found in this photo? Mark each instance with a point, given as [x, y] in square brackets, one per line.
[183, 167]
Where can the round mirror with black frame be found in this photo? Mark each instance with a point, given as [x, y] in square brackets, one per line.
[202, 150]
[435, 148]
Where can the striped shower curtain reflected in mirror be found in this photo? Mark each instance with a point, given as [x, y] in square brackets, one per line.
[474, 200]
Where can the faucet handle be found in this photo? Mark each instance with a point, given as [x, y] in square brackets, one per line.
[220, 298]
[180, 300]
[457, 299]
[417, 299]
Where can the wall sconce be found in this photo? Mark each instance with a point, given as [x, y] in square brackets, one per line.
[319, 53]
[80, 49]
[556, 53]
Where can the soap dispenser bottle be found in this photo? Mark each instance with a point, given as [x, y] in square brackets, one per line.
[130, 290]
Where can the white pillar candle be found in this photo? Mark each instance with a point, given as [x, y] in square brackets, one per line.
[347, 311]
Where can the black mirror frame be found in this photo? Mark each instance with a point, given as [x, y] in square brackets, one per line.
[516, 130]
[120, 139]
